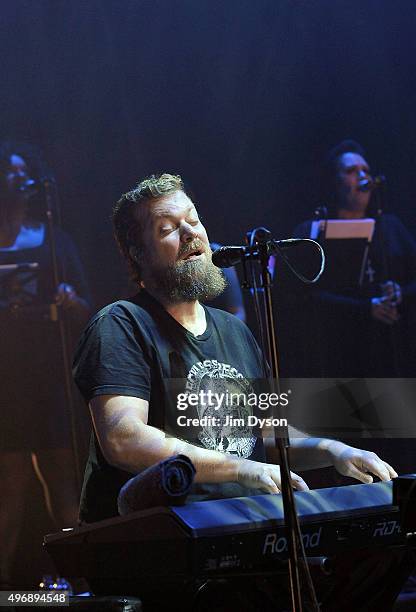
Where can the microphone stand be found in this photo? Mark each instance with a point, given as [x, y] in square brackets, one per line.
[57, 315]
[281, 441]
[281, 437]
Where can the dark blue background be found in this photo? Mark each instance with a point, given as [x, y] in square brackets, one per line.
[242, 98]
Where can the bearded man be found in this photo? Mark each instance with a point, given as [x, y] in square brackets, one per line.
[132, 350]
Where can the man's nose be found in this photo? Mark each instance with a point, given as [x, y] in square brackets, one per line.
[187, 232]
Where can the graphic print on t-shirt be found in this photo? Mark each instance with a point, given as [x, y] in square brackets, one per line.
[227, 385]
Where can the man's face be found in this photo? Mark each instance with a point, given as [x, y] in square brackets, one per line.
[352, 170]
[173, 231]
[177, 261]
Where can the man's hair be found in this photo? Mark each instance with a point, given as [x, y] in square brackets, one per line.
[127, 221]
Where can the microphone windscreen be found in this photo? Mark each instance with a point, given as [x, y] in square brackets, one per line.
[227, 256]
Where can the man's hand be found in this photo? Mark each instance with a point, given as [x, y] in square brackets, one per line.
[266, 477]
[359, 464]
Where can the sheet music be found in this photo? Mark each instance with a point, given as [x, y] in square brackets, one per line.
[344, 228]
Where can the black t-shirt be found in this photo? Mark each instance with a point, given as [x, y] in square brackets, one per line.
[135, 348]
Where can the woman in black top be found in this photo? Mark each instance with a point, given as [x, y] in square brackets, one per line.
[35, 438]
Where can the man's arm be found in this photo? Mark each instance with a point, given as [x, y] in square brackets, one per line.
[130, 444]
[310, 453]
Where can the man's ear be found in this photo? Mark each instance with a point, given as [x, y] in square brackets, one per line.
[135, 255]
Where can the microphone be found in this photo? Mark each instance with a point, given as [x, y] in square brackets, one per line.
[227, 256]
[371, 183]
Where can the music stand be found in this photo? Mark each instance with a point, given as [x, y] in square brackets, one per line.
[347, 242]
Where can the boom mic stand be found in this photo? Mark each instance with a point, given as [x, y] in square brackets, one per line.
[261, 248]
[281, 441]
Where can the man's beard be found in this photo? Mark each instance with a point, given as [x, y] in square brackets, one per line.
[188, 280]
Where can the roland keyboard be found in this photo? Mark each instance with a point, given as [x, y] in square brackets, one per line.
[237, 535]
